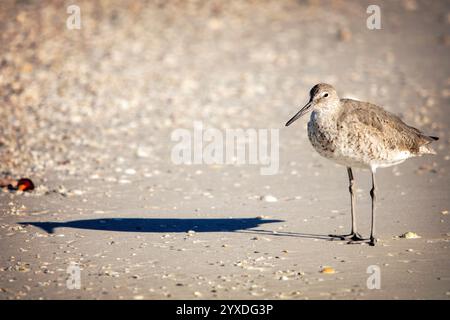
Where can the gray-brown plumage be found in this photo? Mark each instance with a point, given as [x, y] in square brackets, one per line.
[394, 133]
[359, 134]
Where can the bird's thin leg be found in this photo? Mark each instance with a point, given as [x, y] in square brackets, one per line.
[354, 235]
[374, 197]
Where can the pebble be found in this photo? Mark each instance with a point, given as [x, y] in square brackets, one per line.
[345, 35]
[142, 152]
[410, 5]
[268, 198]
[130, 171]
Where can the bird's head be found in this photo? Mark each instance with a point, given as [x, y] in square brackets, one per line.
[321, 96]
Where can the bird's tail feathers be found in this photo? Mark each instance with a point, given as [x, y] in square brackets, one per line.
[426, 147]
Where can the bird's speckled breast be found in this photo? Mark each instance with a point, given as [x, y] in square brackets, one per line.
[321, 139]
[327, 141]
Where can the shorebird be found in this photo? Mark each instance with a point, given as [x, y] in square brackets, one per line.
[362, 135]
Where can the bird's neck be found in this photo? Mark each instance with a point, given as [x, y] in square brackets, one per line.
[326, 115]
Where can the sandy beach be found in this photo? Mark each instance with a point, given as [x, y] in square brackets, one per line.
[88, 115]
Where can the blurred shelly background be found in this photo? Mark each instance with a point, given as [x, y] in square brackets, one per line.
[138, 69]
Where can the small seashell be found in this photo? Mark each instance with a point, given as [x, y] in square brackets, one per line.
[327, 270]
[410, 235]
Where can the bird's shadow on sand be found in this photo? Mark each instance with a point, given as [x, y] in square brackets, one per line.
[159, 225]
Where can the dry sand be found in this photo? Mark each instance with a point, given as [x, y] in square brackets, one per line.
[87, 114]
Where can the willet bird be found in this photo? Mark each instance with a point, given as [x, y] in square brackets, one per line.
[359, 135]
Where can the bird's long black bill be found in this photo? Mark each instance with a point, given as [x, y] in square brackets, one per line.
[302, 112]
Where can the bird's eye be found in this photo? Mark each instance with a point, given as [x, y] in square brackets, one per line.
[325, 95]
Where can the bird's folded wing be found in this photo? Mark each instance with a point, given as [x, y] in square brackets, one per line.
[377, 122]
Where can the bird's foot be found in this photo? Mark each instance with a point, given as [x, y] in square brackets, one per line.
[372, 241]
[352, 237]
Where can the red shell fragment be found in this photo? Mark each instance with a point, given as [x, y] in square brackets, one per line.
[25, 184]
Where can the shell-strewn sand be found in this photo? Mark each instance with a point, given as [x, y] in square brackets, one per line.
[88, 114]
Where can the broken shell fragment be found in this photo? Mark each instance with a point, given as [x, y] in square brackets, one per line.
[327, 270]
[410, 235]
[23, 184]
